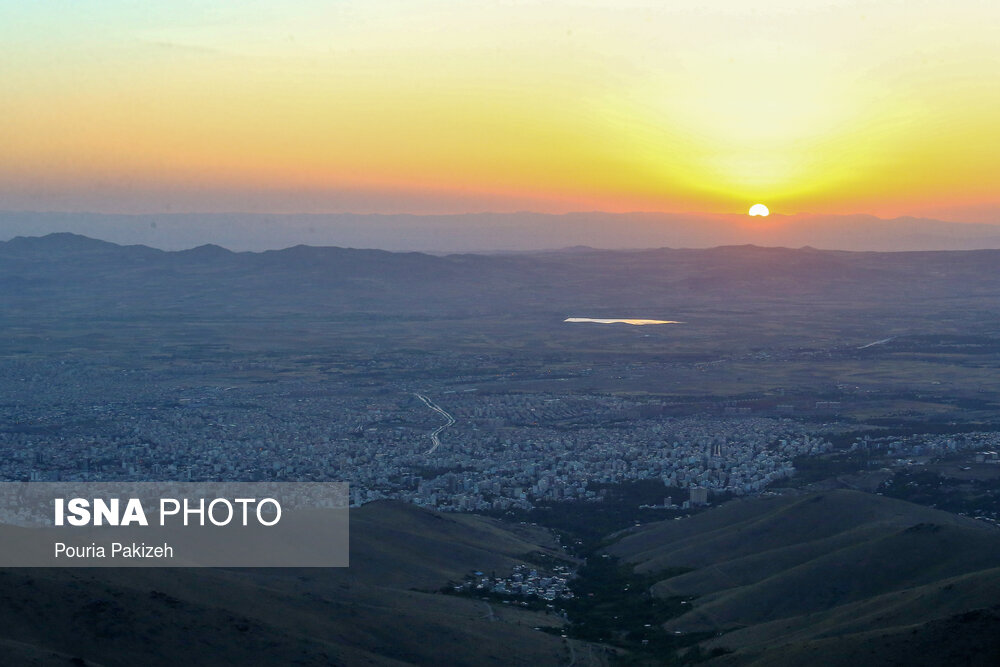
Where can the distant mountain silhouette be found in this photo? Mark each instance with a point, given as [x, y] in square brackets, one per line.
[67, 274]
[488, 232]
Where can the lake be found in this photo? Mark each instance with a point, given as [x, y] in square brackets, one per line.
[621, 321]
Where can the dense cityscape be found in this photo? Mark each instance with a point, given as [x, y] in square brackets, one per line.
[450, 449]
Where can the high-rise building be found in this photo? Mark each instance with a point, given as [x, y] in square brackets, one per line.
[699, 495]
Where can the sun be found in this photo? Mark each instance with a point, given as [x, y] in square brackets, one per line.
[759, 209]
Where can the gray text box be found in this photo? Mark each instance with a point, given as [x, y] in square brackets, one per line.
[173, 524]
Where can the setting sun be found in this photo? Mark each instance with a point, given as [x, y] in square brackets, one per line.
[759, 209]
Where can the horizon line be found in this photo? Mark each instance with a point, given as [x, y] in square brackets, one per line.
[761, 219]
[497, 251]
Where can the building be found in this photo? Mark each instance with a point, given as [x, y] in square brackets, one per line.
[699, 496]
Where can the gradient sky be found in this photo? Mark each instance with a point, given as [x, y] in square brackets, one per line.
[876, 107]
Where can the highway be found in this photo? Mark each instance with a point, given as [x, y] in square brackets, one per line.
[435, 441]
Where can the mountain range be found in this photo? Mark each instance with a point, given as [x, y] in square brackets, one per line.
[492, 232]
[73, 273]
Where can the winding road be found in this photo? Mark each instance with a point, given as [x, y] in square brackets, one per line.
[435, 441]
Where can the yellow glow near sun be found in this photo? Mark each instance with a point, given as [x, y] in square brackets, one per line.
[886, 108]
[759, 209]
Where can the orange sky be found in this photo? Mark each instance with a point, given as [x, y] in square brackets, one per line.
[389, 106]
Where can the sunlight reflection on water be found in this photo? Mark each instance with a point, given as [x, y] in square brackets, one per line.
[622, 321]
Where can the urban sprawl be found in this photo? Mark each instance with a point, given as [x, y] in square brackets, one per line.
[467, 449]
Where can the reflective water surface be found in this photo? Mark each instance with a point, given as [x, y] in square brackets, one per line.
[622, 321]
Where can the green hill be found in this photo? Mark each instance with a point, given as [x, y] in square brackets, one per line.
[779, 576]
[969, 638]
[378, 611]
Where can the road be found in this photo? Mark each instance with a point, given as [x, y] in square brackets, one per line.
[435, 441]
[878, 342]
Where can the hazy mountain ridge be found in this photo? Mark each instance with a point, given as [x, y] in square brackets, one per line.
[74, 274]
[481, 232]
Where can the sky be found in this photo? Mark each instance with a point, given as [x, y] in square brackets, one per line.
[449, 106]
